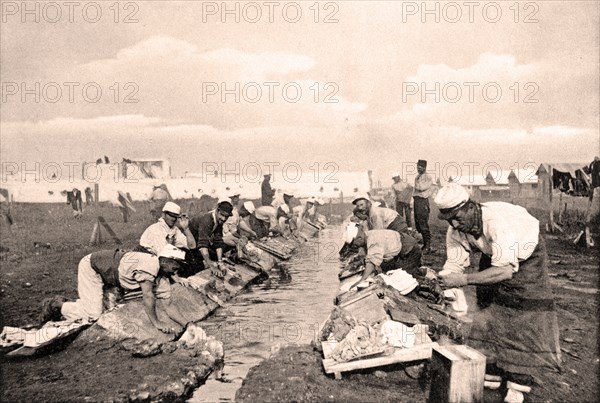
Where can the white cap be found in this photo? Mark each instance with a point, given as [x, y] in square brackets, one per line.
[450, 197]
[320, 202]
[395, 175]
[361, 196]
[249, 206]
[172, 252]
[172, 208]
[350, 233]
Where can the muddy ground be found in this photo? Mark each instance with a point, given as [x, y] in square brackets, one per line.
[78, 369]
[295, 374]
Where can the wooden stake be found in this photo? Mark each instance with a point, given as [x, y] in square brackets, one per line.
[95, 231]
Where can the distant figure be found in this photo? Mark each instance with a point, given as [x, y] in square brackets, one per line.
[5, 207]
[106, 160]
[403, 193]
[422, 192]
[160, 195]
[89, 196]
[266, 191]
[74, 199]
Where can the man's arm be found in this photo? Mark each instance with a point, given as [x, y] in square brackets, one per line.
[423, 182]
[183, 223]
[150, 307]
[493, 275]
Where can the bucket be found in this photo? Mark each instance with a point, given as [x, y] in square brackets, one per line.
[308, 230]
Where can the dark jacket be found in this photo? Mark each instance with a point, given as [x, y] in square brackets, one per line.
[266, 193]
[206, 231]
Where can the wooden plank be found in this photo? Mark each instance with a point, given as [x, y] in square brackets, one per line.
[403, 317]
[418, 352]
[458, 373]
[110, 231]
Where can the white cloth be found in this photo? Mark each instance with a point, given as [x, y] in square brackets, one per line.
[156, 236]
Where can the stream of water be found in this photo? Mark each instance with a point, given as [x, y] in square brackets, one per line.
[287, 308]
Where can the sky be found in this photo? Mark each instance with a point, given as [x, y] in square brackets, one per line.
[358, 85]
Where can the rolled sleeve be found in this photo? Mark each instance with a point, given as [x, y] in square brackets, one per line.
[180, 239]
[375, 253]
[458, 252]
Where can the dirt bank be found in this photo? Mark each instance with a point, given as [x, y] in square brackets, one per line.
[39, 259]
[296, 374]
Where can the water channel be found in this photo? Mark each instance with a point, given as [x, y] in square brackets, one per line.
[287, 308]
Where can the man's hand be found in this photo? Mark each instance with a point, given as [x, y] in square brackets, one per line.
[183, 223]
[454, 280]
[215, 270]
[183, 281]
[163, 327]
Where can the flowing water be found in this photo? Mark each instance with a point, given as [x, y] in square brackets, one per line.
[288, 308]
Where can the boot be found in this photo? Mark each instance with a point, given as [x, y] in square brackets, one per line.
[516, 392]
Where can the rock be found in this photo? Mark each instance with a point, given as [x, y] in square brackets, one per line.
[380, 374]
[141, 349]
[568, 340]
[27, 285]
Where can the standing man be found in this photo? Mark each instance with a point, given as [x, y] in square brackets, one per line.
[403, 193]
[422, 193]
[266, 191]
[89, 196]
[517, 325]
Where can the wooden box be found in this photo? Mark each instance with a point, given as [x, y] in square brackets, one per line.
[458, 373]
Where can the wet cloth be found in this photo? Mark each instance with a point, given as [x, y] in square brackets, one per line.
[518, 324]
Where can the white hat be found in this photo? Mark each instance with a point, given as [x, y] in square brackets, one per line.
[350, 233]
[360, 196]
[449, 198]
[249, 206]
[285, 208]
[172, 252]
[172, 208]
[395, 175]
[320, 202]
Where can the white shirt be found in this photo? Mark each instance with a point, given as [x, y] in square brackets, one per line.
[382, 245]
[156, 236]
[510, 234]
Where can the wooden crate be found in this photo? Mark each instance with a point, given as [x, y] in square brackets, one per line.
[422, 350]
[458, 373]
